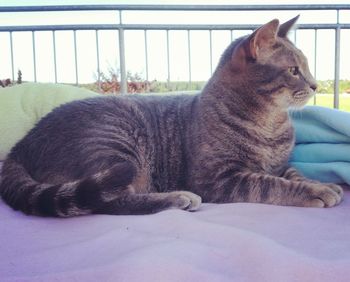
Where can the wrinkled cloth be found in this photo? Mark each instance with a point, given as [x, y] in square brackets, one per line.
[220, 242]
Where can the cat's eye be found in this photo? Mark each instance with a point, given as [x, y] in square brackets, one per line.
[293, 70]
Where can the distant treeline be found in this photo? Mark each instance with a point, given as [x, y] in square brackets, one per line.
[324, 86]
[110, 83]
[327, 86]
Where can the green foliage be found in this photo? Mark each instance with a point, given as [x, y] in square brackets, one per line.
[344, 86]
[176, 86]
[7, 82]
[109, 82]
[327, 86]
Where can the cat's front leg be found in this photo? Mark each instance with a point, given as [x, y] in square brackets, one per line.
[268, 189]
[293, 174]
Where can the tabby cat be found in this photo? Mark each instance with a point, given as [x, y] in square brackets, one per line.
[143, 154]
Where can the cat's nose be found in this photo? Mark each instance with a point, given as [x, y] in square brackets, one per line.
[313, 87]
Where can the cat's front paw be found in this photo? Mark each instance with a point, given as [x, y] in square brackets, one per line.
[338, 189]
[322, 195]
[185, 200]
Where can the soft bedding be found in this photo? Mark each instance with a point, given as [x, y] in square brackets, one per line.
[226, 242]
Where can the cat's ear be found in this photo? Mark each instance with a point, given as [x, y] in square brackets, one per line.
[249, 48]
[265, 36]
[286, 27]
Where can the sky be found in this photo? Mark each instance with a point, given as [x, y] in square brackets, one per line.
[156, 41]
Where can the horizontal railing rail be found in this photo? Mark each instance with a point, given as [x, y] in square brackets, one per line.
[295, 7]
[158, 27]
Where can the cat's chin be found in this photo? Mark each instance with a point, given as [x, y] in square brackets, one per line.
[298, 105]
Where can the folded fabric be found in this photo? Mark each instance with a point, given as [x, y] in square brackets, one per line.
[321, 153]
[322, 150]
[314, 124]
[332, 172]
[21, 106]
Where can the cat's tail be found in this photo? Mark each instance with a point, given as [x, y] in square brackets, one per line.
[19, 190]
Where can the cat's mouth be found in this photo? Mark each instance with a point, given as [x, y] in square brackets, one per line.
[300, 98]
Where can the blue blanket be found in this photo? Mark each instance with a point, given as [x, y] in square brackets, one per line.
[322, 150]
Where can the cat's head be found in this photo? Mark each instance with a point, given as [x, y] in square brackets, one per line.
[272, 65]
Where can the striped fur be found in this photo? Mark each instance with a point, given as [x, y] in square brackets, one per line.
[144, 154]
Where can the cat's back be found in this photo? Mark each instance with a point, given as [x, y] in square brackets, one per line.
[78, 133]
[104, 111]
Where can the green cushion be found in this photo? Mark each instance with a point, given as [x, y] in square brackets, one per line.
[22, 106]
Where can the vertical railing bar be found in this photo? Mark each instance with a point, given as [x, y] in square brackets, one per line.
[315, 61]
[189, 58]
[12, 60]
[34, 55]
[211, 51]
[54, 54]
[76, 57]
[146, 54]
[168, 59]
[123, 78]
[98, 61]
[337, 64]
[231, 35]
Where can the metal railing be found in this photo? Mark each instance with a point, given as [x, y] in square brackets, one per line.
[121, 27]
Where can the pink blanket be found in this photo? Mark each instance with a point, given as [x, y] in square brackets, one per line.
[228, 242]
